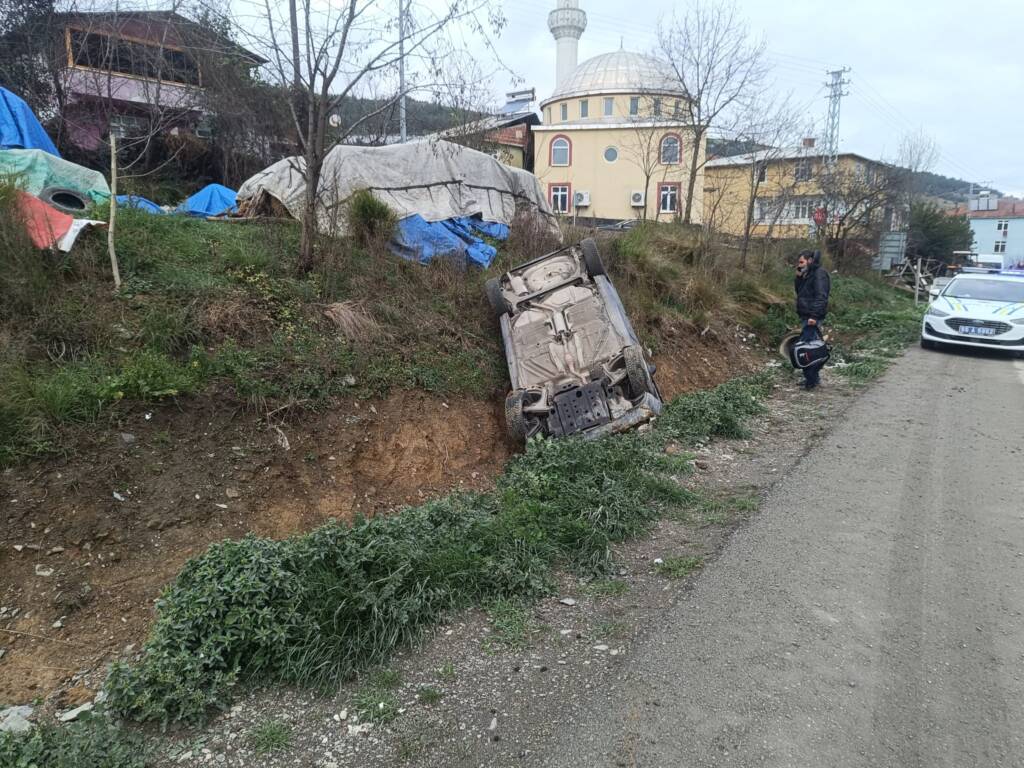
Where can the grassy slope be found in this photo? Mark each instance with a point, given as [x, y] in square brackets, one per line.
[211, 307]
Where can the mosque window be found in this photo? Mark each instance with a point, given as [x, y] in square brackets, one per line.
[559, 194]
[584, 108]
[611, 154]
[668, 198]
[634, 105]
[657, 107]
[670, 150]
[561, 151]
[564, 111]
[609, 106]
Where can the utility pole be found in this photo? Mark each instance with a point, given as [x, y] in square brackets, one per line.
[835, 97]
[402, 128]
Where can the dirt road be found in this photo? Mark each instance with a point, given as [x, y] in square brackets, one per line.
[871, 615]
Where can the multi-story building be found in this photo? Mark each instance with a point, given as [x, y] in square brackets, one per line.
[779, 190]
[613, 142]
[998, 227]
[131, 72]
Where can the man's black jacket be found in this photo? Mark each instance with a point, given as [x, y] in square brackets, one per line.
[812, 290]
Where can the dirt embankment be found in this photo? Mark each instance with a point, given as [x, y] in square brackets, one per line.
[89, 540]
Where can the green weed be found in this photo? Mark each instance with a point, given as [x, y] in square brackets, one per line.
[375, 701]
[428, 695]
[510, 624]
[91, 741]
[678, 567]
[607, 588]
[270, 736]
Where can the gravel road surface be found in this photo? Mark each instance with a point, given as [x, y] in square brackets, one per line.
[871, 615]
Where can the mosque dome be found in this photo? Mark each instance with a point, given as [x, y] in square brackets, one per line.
[619, 72]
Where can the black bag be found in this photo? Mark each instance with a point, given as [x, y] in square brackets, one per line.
[807, 354]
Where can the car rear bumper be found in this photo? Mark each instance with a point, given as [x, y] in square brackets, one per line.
[1015, 343]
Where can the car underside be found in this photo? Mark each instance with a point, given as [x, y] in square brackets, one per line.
[575, 363]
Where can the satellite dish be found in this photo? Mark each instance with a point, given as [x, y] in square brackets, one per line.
[334, 120]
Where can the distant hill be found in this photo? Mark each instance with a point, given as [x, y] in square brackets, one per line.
[946, 188]
[422, 117]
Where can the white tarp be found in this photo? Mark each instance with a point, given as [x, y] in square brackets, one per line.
[438, 180]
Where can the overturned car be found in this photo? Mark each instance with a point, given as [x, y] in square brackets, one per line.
[574, 360]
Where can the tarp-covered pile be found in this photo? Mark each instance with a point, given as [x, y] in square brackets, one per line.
[19, 127]
[47, 227]
[211, 200]
[37, 170]
[423, 182]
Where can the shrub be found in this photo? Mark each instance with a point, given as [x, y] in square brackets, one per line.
[370, 221]
[92, 741]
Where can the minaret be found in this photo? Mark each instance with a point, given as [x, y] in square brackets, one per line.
[566, 23]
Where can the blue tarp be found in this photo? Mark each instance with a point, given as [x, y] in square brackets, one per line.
[211, 200]
[134, 201]
[420, 240]
[19, 128]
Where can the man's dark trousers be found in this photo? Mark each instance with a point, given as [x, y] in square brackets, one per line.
[811, 373]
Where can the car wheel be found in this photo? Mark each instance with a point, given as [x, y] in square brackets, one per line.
[637, 372]
[515, 416]
[497, 300]
[64, 199]
[928, 344]
[591, 258]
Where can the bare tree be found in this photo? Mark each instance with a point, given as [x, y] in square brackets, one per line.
[718, 66]
[328, 53]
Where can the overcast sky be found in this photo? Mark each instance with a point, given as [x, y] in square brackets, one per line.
[953, 69]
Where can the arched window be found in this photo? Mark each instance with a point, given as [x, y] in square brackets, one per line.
[670, 150]
[561, 151]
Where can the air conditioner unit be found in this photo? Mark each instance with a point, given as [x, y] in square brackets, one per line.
[637, 198]
[581, 199]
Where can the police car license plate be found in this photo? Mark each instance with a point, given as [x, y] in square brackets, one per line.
[973, 330]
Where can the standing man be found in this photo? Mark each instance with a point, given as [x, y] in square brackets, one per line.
[812, 288]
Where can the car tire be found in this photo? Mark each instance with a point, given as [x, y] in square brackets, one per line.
[497, 300]
[64, 199]
[515, 416]
[637, 372]
[591, 258]
[928, 344]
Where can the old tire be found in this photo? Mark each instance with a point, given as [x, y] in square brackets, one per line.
[591, 258]
[637, 372]
[499, 305]
[515, 416]
[64, 199]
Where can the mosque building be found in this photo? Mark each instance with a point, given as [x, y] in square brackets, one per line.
[613, 142]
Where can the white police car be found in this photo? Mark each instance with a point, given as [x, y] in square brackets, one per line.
[977, 309]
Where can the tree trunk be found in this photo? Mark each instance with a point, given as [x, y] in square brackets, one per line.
[307, 244]
[692, 181]
[113, 214]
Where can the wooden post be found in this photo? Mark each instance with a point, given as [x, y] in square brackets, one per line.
[113, 213]
[917, 282]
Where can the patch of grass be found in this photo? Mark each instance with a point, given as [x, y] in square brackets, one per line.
[370, 221]
[91, 741]
[703, 508]
[447, 671]
[427, 694]
[719, 412]
[270, 736]
[510, 624]
[606, 588]
[322, 606]
[376, 701]
[610, 630]
[678, 567]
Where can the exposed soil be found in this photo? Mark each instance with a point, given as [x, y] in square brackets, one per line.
[116, 519]
[496, 705]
